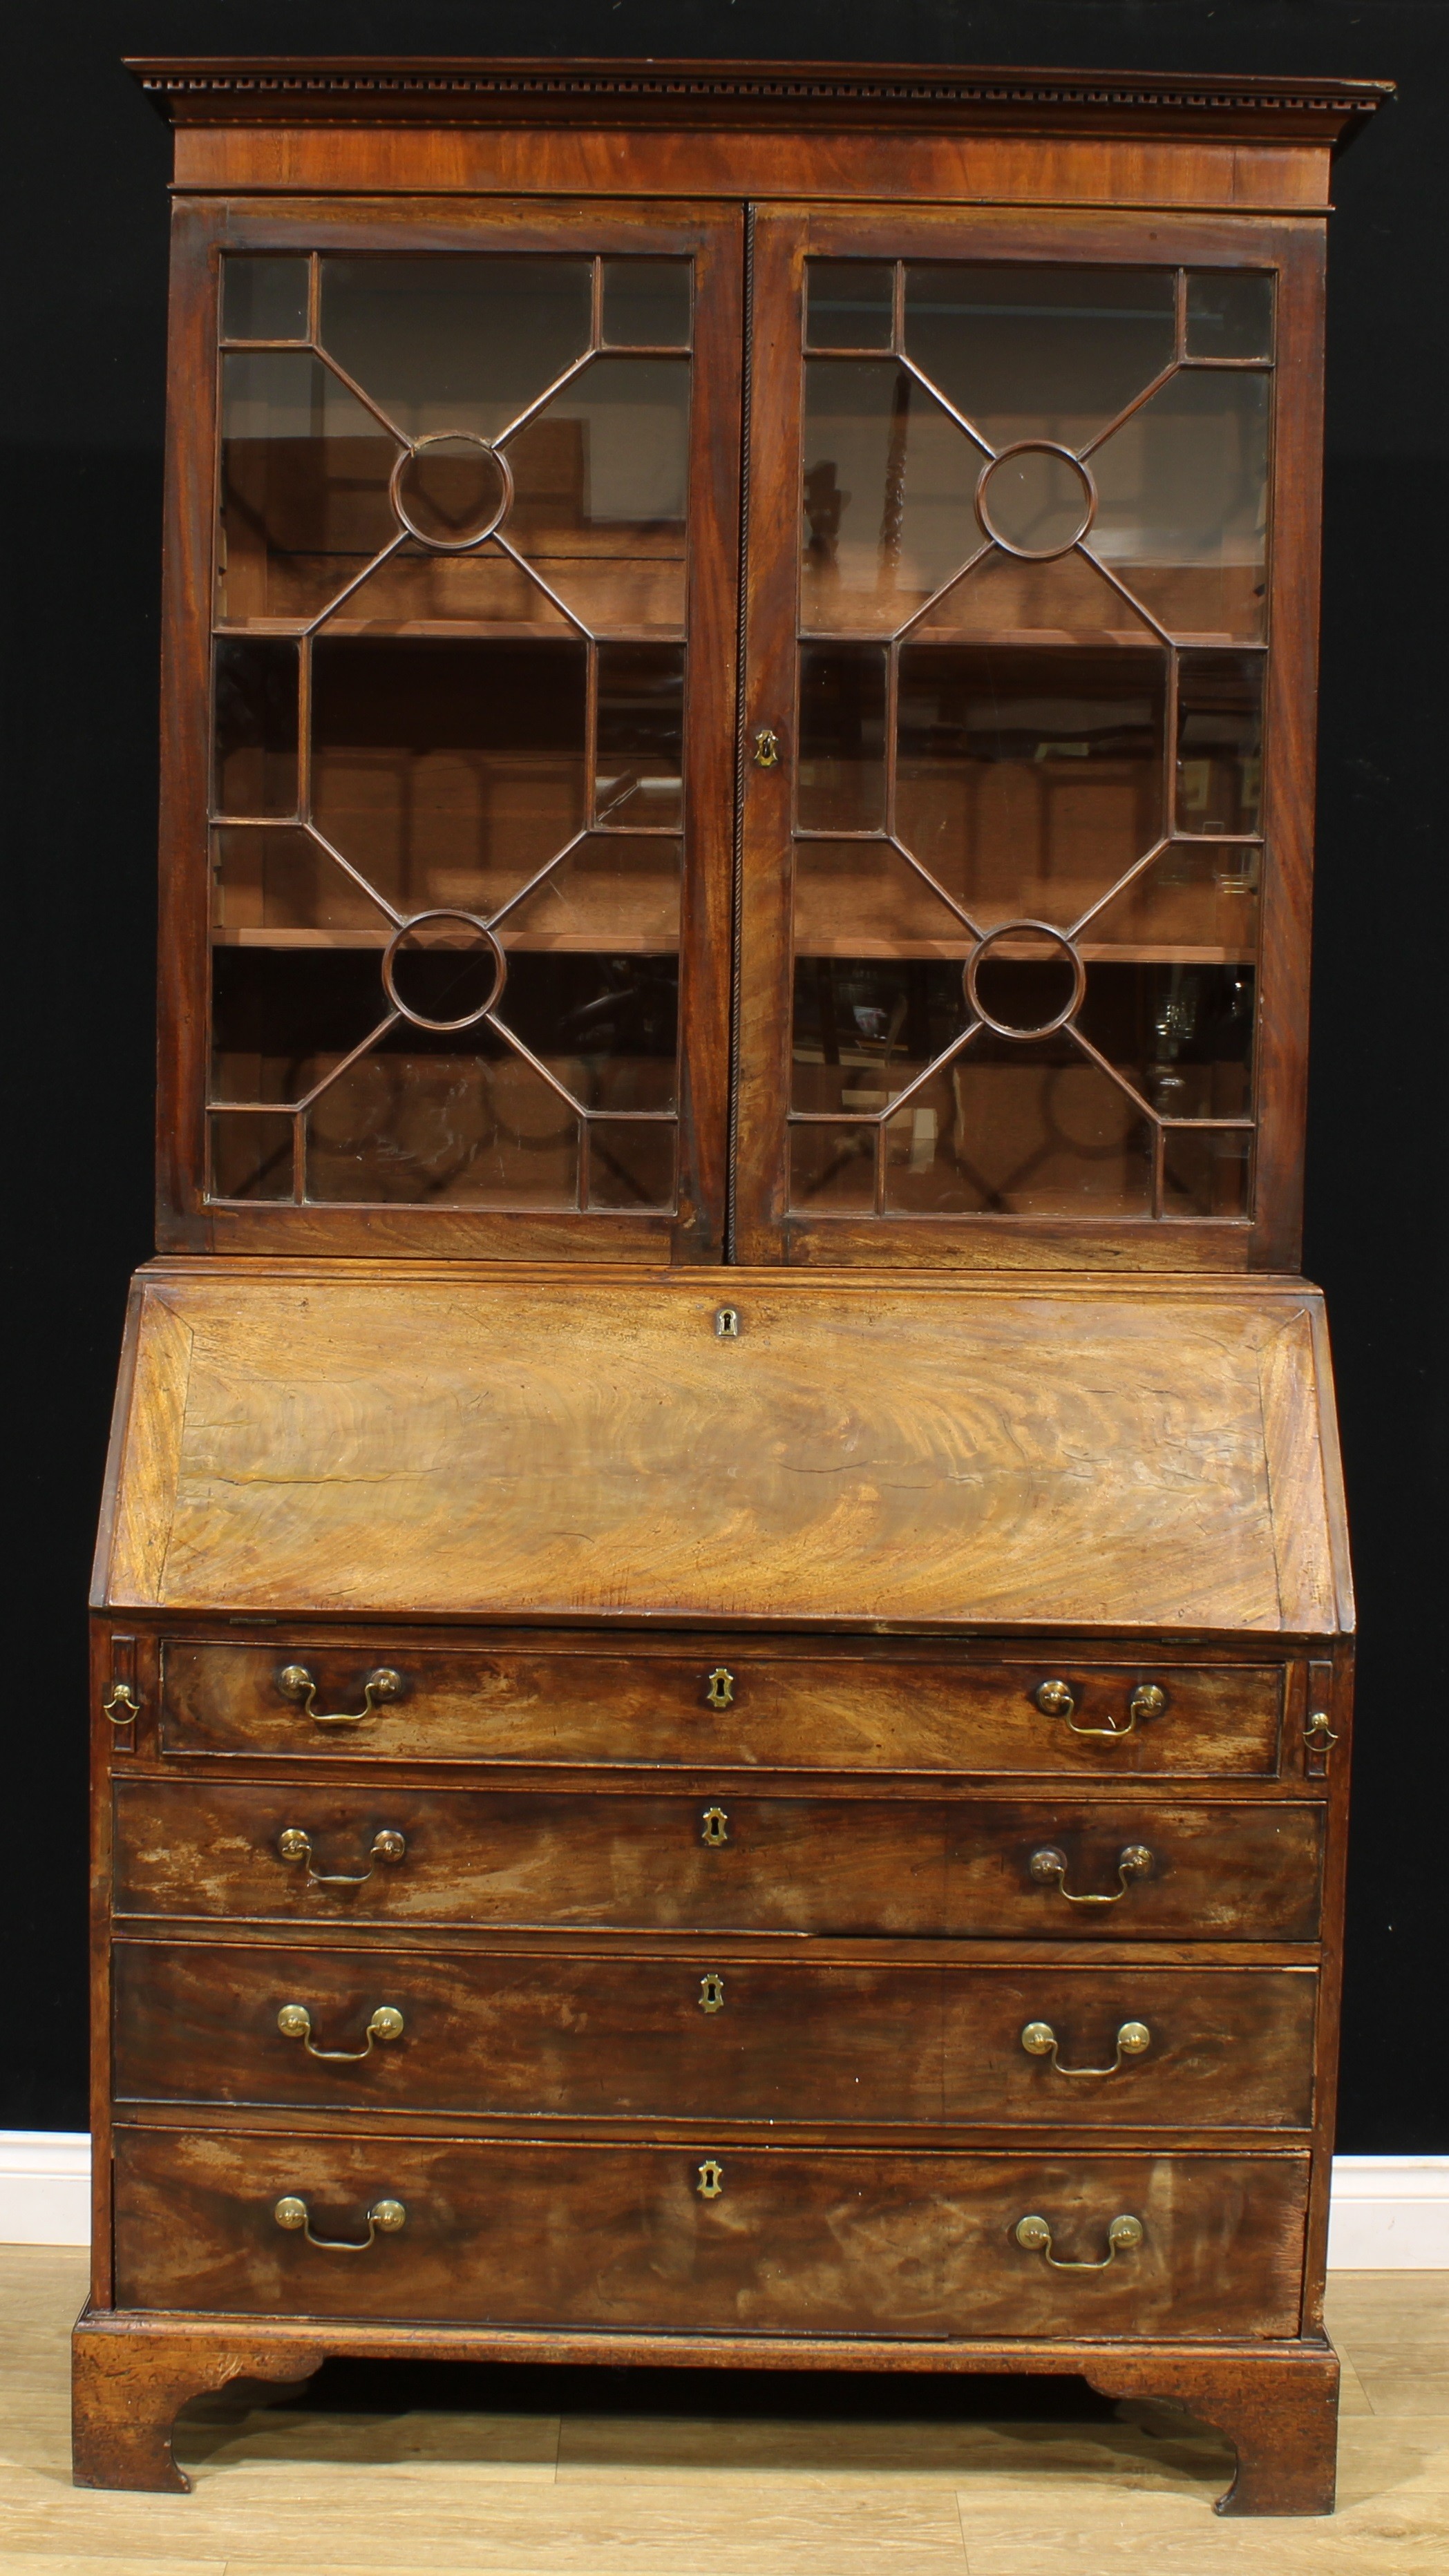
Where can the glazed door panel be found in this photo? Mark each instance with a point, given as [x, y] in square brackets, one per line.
[461, 567]
[1019, 836]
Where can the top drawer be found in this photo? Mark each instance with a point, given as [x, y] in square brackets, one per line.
[727, 1710]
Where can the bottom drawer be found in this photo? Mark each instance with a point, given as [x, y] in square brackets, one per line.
[758, 2239]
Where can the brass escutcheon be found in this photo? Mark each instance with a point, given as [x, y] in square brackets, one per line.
[1049, 1868]
[714, 1827]
[1035, 2237]
[719, 1689]
[1040, 2040]
[766, 753]
[711, 2179]
[297, 1683]
[295, 2022]
[711, 1994]
[293, 2214]
[727, 1323]
[294, 1844]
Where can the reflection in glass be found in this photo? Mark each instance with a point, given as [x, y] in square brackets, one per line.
[1205, 1171]
[263, 299]
[609, 894]
[1181, 1035]
[601, 481]
[451, 491]
[889, 495]
[251, 1157]
[449, 1121]
[1024, 981]
[255, 729]
[840, 785]
[1229, 314]
[864, 1027]
[444, 971]
[1037, 1129]
[647, 303]
[1013, 600]
[640, 735]
[1219, 742]
[849, 303]
[277, 886]
[456, 343]
[304, 488]
[448, 772]
[1182, 513]
[832, 1169]
[1035, 500]
[1196, 905]
[1029, 352]
[631, 1163]
[607, 1027]
[282, 1018]
[1029, 780]
[862, 899]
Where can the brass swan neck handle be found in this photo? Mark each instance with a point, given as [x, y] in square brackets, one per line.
[1035, 2237]
[297, 1683]
[387, 1845]
[1048, 1867]
[293, 2214]
[1040, 2040]
[295, 2022]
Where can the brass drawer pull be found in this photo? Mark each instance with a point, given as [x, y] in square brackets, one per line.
[387, 1845]
[711, 1994]
[714, 1827]
[295, 2022]
[293, 2214]
[122, 1706]
[719, 1688]
[1040, 2040]
[711, 2179]
[297, 1683]
[1034, 2235]
[1318, 1732]
[1049, 1868]
[1057, 1699]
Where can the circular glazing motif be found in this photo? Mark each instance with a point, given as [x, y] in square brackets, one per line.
[443, 957]
[1042, 947]
[451, 490]
[1036, 500]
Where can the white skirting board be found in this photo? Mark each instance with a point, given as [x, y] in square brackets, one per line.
[1390, 2213]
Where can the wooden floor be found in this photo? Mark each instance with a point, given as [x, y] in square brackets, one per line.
[614, 2473]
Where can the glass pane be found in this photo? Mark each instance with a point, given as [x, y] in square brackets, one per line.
[927, 1171]
[448, 772]
[304, 502]
[282, 1018]
[640, 738]
[840, 785]
[251, 1158]
[1027, 352]
[279, 888]
[1182, 516]
[647, 303]
[832, 1170]
[862, 899]
[1195, 906]
[263, 299]
[456, 343]
[1229, 315]
[864, 1027]
[849, 303]
[1035, 500]
[1039, 1130]
[607, 1027]
[609, 893]
[890, 484]
[631, 1163]
[1012, 601]
[1205, 1171]
[255, 733]
[1219, 742]
[602, 478]
[1181, 1035]
[446, 1121]
[1029, 781]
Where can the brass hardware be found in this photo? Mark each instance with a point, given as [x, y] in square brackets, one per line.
[1318, 1732]
[122, 1707]
[766, 754]
[711, 2180]
[293, 1844]
[293, 2214]
[1057, 1699]
[1040, 2040]
[1034, 2235]
[1049, 1868]
[711, 1994]
[295, 2022]
[714, 1827]
[1318, 1735]
[727, 1323]
[297, 1683]
[719, 1689]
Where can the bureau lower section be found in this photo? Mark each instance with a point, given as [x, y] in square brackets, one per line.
[748, 2239]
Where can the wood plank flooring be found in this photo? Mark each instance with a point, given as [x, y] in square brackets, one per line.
[610, 2473]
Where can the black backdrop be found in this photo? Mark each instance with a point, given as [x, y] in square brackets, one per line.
[81, 360]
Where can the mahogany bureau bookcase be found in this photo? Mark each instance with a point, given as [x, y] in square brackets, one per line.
[722, 1625]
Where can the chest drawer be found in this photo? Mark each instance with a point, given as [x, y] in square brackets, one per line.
[733, 1710]
[293, 1852]
[716, 2036]
[784, 2240]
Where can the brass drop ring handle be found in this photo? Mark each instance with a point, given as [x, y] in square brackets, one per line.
[297, 1683]
[1057, 1699]
[293, 2214]
[1049, 1868]
[1035, 2237]
[122, 1705]
[295, 2022]
[1318, 1732]
[387, 1845]
[1040, 2040]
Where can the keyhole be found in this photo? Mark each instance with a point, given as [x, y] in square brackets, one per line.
[711, 2180]
[714, 1827]
[719, 1689]
[711, 1994]
[727, 1324]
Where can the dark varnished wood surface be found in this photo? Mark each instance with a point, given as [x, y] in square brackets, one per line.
[848, 1865]
[816, 1712]
[620, 2034]
[830, 2241]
